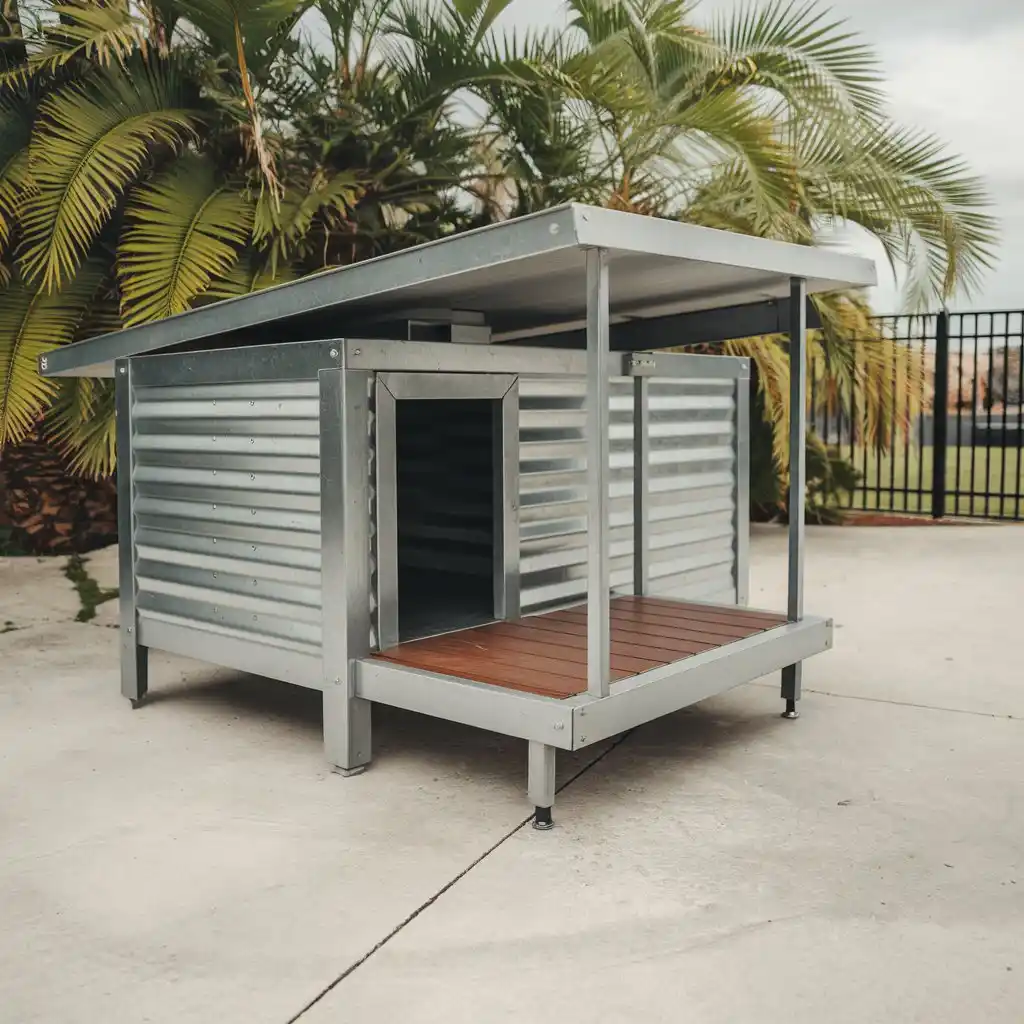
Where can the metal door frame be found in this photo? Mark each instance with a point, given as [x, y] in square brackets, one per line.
[503, 390]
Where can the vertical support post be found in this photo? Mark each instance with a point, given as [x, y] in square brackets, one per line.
[506, 505]
[540, 782]
[641, 485]
[741, 494]
[792, 674]
[598, 392]
[386, 478]
[134, 657]
[345, 562]
[940, 418]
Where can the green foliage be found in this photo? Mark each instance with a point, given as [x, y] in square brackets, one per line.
[183, 229]
[160, 154]
[831, 479]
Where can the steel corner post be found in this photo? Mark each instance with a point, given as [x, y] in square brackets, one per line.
[791, 674]
[134, 656]
[345, 562]
[940, 418]
[598, 475]
[641, 485]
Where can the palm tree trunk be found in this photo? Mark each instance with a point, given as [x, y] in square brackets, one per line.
[50, 511]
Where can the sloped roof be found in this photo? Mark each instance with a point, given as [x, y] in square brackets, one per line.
[526, 276]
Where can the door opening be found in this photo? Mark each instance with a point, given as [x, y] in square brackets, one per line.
[445, 488]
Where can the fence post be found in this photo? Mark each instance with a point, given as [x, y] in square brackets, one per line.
[940, 415]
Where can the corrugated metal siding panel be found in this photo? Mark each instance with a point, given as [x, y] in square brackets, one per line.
[692, 490]
[226, 484]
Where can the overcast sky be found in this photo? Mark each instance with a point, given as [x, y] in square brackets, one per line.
[954, 68]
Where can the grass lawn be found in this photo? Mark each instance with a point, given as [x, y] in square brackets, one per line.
[913, 469]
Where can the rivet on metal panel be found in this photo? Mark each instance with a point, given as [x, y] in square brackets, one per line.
[252, 440]
[252, 511]
[253, 547]
[334, 353]
[129, 629]
[255, 617]
[255, 583]
[252, 403]
[252, 476]
[214, 540]
[214, 575]
[123, 369]
[337, 679]
[214, 506]
[358, 352]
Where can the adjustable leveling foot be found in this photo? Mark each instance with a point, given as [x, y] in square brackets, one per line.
[542, 818]
[791, 711]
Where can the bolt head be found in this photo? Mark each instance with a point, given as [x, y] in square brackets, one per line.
[334, 353]
[122, 370]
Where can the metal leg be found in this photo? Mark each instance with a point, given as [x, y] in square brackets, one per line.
[791, 687]
[347, 731]
[134, 668]
[345, 562]
[791, 674]
[134, 657]
[540, 783]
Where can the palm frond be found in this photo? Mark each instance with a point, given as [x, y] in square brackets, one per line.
[15, 131]
[102, 33]
[282, 232]
[798, 50]
[184, 229]
[82, 424]
[91, 141]
[247, 275]
[33, 321]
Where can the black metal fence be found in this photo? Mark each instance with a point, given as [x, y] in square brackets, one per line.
[958, 379]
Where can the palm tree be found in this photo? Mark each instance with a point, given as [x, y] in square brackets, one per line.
[155, 155]
[770, 122]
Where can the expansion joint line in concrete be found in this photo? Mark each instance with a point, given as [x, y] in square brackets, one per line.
[444, 888]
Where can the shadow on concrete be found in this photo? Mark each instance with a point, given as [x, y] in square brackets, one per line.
[666, 746]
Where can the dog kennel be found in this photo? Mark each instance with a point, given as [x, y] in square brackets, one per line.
[464, 479]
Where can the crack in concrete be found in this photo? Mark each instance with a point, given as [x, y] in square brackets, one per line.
[430, 901]
[902, 703]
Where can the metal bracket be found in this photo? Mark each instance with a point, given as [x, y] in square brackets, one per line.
[640, 365]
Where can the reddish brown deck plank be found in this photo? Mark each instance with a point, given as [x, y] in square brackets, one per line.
[661, 625]
[547, 653]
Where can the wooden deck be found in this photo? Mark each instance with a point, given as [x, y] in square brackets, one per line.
[547, 653]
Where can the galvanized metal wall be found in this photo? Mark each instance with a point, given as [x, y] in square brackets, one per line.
[226, 482]
[692, 491]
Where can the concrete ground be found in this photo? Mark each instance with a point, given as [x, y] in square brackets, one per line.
[194, 861]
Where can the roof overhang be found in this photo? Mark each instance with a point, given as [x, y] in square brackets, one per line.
[526, 277]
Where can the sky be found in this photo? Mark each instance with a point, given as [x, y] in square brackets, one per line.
[953, 68]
